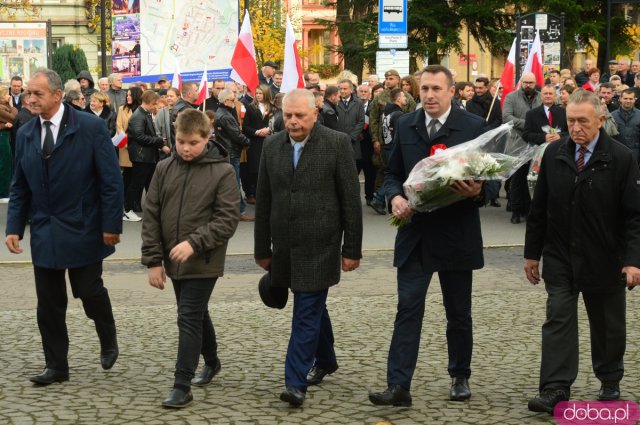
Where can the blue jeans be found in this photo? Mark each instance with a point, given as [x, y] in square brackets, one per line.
[235, 162]
[196, 334]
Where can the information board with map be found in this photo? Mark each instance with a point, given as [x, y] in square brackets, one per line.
[165, 34]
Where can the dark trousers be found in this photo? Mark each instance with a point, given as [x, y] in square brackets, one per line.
[607, 325]
[413, 283]
[51, 290]
[311, 340]
[366, 166]
[126, 178]
[196, 334]
[519, 197]
[141, 174]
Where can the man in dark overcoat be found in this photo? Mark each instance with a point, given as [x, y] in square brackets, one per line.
[549, 114]
[447, 241]
[68, 180]
[308, 227]
[585, 222]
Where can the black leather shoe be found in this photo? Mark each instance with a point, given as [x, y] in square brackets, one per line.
[547, 400]
[49, 376]
[108, 357]
[207, 374]
[292, 395]
[178, 399]
[515, 218]
[495, 203]
[460, 390]
[609, 391]
[394, 395]
[378, 207]
[317, 374]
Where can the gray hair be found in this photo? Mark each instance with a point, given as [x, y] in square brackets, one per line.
[71, 96]
[225, 94]
[103, 79]
[304, 93]
[585, 96]
[112, 77]
[53, 79]
[71, 86]
[625, 61]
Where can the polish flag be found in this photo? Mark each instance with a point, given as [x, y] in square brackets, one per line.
[292, 77]
[203, 90]
[507, 79]
[119, 140]
[176, 81]
[534, 61]
[243, 62]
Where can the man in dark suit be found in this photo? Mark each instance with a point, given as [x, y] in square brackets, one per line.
[585, 220]
[447, 240]
[68, 180]
[16, 90]
[549, 114]
[350, 115]
[308, 227]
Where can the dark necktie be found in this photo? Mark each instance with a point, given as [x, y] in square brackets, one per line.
[345, 103]
[580, 161]
[433, 128]
[47, 146]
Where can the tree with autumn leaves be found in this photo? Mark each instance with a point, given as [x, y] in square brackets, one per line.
[268, 21]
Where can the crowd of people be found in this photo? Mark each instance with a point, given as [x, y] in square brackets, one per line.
[297, 157]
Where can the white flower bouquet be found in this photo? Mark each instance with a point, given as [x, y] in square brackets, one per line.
[494, 155]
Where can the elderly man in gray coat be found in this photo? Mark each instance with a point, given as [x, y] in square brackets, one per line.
[308, 227]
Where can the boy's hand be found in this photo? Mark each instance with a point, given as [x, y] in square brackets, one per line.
[157, 277]
[181, 252]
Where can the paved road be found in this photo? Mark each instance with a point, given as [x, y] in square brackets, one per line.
[508, 313]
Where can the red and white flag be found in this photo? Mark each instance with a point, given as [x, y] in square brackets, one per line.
[119, 140]
[534, 61]
[176, 81]
[203, 90]
[508, 77]
[243, 62]
[292, 77]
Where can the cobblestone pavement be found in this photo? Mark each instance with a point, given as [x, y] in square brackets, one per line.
[508, 313]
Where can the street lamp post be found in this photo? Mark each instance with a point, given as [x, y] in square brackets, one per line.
[103, 38]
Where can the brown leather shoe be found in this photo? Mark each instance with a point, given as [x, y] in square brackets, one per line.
[251, 200]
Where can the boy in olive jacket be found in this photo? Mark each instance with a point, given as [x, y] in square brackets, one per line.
[192, 210]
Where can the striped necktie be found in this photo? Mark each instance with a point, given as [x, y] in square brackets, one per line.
[580, 161]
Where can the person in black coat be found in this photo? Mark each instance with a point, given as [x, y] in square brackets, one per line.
[539, 117]
[447, 241]
[329, 112]
[99, 105]
[481, 103]
[256, 127]
[585, 221]
[144, 146]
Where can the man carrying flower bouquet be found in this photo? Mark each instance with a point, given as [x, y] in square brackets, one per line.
[546, 123]
[447, 240]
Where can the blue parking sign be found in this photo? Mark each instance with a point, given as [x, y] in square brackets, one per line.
[392, 17]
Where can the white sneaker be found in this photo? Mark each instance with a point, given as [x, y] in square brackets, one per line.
[4, 200]
[131, 216]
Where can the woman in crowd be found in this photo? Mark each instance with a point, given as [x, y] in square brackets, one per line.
[593, 83]
[256, 128]
[410, 86]
[8, 114]
[565, 92]
[134, 95]
[99, 105]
